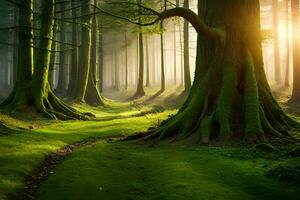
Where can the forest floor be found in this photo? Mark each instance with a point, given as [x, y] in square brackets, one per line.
[110, 170]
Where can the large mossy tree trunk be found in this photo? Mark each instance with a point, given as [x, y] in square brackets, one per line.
[230, 97]
[32, 87]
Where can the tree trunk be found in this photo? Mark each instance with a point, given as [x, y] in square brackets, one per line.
[277, 69]
[186, 53]
[116, 75]
[140, 85]
[287, 69]
[175, 57]
[74, 56]
[32, 87]
[62, 70]
[162, 56]
[85, 52]
[148, 63]
[126, 61]
[230, 97]
[53, 59]
[93, 96]
[296, 51]
[101, 56]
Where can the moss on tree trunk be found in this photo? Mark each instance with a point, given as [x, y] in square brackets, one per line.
[230, 97]
[32, 87]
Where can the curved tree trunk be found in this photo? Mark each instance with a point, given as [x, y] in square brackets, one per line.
[230, 97]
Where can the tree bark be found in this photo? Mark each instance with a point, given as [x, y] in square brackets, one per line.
[186, 54]
[74, 56]
[287, 69]
[126, 61]
[277, 69]
[62, 70]
[162, 56]
[93, 96]
[85, 52]
[296, 51]
[32, 87]
[230, 97]
[140, 85]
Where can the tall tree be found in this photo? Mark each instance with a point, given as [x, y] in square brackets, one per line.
[287, 38]
[277, 66]
[93, 95]
[296, 50]
[32, 87]
[230, 97]
[140, 85]
[74, 55]
[162, 50]
[62, 70]
[147, 63]
[186, 53]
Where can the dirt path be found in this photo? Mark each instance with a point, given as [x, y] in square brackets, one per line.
[42, 172]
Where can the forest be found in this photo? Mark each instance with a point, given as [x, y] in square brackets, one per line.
[149, 99]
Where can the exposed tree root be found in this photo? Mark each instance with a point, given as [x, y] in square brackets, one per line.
[48, 104]
[224, 106]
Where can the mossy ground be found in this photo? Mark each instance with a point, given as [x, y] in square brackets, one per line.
[168, 171]
[131, 170]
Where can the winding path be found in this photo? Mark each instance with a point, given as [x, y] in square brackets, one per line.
[42, 172]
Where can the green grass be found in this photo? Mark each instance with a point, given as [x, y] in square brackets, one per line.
[123, 171]
[24, 151]
[135, 171]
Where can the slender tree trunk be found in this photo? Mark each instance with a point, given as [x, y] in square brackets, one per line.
[53, 59]
[287, 33]
[116, 75]
[296, 51]
[62, 73]
[230, 97]
[175, 57]
[85, 52]
[74, 56]
[140, 85]
[15, 49]
[162, 55]
[101, 55]
[126, 61]
[277, 70]
[93, 95]
[148, 63]
[186, 54]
